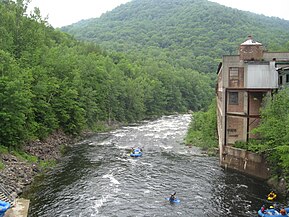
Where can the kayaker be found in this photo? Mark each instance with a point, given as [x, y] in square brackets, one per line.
[173, 196]
[263, 208]
[283, 212]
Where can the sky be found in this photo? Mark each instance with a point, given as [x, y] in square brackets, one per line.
[271, 8]
[65, 12]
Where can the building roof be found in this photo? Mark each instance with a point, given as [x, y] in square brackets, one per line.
[251, 41]
[283, 68]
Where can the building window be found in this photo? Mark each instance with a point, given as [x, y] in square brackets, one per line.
[287, 78]
[236, 77]
[234, 73]
[233, 98]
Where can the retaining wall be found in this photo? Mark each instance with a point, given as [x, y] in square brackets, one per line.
[244, 161]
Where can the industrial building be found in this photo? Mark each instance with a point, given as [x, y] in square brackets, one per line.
[243, 81]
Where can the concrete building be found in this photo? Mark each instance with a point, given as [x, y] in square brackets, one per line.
[243, 81]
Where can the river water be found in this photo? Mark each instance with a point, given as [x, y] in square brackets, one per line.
[97, 177]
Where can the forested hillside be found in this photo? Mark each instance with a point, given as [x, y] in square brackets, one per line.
[187, 33]
[50, 81]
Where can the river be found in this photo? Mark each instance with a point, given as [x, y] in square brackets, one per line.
[97, 177]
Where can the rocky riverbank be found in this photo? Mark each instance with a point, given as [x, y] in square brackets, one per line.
[18, 173]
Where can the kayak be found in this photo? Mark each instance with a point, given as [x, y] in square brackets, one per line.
[136, 153]
[3, 207]
[177, 200]
[271, 196]
[271, 213]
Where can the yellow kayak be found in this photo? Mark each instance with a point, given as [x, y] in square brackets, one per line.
[271, 196]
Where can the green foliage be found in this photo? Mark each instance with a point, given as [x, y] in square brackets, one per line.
[283, 162]
[3, 149]
[63, 149]
[252, 145]
[203, 128]
[274, 131]
[15, 102]
[2, 166]
[47, 164]
[50, 81]
[275, 119]
[24, 156]
[190, 34]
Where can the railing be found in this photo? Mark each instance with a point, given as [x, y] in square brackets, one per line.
[5, 195]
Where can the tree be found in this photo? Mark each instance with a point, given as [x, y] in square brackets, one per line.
[274, 130]
[16, 115]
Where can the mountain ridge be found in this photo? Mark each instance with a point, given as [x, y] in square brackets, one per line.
[191, 29]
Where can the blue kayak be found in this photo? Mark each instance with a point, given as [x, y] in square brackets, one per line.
[136, 153]
[271, 213]
[177, 200]
[3, 207]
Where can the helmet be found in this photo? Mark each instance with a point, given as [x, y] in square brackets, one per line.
[271, 207]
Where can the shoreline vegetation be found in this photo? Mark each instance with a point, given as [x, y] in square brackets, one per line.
[202, 131]
[19, 168]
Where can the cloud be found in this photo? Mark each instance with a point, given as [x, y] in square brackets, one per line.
[65, 12]
[276, 8]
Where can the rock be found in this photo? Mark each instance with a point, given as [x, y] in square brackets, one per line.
[18, 173]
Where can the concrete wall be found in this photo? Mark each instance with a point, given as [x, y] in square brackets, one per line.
[268, 56]
[245, 162]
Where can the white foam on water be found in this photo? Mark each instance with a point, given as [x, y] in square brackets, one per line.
[183, 152]
[93, 143]
[123, 159]
[198, 197]
[165, 147]
[99, 203]
[121, 147]
[241, 186]
[120, 135]
[147, 191]
[103, 143]
[149, 135]
[144, 163]
[112, 179]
